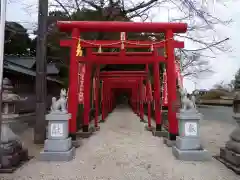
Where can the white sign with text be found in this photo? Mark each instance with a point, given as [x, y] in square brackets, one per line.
[191, 129]
[56, 130]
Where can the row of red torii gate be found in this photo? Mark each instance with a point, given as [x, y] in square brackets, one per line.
[84, 71]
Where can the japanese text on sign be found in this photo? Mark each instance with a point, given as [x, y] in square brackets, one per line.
[81, 83]
[56, 130]
[190, 129]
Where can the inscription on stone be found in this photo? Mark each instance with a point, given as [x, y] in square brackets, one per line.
[56, 130]
[190, 129]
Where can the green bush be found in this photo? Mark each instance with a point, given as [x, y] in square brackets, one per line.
[213, 95]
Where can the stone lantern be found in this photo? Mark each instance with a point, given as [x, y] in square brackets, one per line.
[230, 154]
[12, 152]
[9, 100]
[187, 146]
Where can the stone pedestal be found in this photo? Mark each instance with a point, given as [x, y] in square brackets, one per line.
[168, 142]
[149, 128]
[143, 120]
[230, 154]
[58, 146]
[159, 133]
[86, 131]
[187, 146]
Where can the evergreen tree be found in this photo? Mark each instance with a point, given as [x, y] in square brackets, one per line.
[237, 80]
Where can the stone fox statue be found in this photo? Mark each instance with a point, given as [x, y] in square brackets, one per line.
[187, 101]
[60, 104]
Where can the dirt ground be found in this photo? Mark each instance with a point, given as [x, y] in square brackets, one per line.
[123, 150]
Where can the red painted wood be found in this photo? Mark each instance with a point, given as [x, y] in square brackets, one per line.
[122, 60]
[141, 99]
[117, 44]
[125, 53]
[117, 26]
[148, 100]
[122, 80]
[73, 84]
[157, 93]
[97, 96]
[171, 85]
[122, 76]
[103, 101]
[122, 72]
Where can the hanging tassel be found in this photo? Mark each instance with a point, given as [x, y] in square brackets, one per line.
[151, 48]
[79, 49]
[100, 49]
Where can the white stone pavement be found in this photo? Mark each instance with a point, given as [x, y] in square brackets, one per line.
[123, 150]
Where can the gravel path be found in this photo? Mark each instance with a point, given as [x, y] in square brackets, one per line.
[123, 150]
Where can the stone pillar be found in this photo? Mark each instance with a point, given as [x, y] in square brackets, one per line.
[187, 146]
[230, 154]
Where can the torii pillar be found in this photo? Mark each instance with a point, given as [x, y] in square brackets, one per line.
[171, 86]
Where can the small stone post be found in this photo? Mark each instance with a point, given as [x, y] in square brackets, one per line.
[230, 154]
[187, 146]
[58, 145]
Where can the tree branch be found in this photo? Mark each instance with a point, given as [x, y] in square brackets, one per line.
[140, 6]
[91, 3]
[77, 5]
[63, 7]
[208, 46]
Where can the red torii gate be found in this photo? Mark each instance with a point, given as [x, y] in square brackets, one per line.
[115, 85]
[129, 88]
[123, 81]
[125, 76]
[122, 57]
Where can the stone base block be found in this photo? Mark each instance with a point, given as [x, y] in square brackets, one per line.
[185, 143]
[230, 156]
[92, 129]
[84, 134]
[57, 156]
[159, 133]
[233, 146]
[76, 143]
[102, 121]
[143, 121]
[168, 142]
[97, 128]
[10, 163]
[149, 128]
[229, 165]
[58, 145]
[191, 155]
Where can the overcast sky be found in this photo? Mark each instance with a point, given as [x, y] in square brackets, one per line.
[224, 65]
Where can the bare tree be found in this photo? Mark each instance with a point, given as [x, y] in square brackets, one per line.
[194, 65]
[107, 7]
[201, 21]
